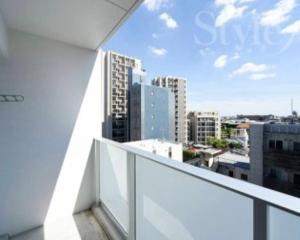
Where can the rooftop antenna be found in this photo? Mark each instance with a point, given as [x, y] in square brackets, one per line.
[294, 113]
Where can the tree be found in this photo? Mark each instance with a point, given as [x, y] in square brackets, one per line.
[235, 145]
[218, 143]
[188, 155]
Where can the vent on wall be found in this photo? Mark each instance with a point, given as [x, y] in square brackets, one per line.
[11, 98]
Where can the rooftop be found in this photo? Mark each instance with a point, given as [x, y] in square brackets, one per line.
[237, 160]
[211, 151]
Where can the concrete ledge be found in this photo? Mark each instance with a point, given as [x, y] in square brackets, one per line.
[111, 228]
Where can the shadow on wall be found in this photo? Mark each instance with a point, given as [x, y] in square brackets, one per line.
[46, 140]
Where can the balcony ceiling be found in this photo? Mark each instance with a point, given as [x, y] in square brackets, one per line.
[84, 23]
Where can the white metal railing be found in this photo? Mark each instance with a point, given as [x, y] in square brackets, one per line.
[152, 197]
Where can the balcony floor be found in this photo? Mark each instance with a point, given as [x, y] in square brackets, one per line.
[82, 226]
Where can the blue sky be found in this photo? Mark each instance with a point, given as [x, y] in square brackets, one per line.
[238, 56]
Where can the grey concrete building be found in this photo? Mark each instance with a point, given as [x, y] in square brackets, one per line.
[118, 73]
[275, 156]
[178, 87]
[204, 125]
[151, 113]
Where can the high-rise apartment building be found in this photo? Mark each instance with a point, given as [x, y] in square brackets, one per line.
[275, 156]
[120, 71]
[152, 113]
[204, 125]
[178, 87]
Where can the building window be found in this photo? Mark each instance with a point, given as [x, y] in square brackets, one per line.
[279, 145]
[273, 173]
[297, 146]
[244, 177]
[230, 173]
[272, 144]
[297, 179]
[170, 152]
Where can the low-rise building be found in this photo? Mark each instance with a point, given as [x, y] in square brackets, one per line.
[241, 134]
[161, 148]
[259, 118]
[204, 125]
[233, 165]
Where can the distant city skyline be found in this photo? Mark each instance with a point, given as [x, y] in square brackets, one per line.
[239, 56]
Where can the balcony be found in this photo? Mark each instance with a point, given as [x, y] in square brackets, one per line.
[60, 181]
[187, 202]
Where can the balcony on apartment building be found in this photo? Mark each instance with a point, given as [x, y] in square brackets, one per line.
[59, 179]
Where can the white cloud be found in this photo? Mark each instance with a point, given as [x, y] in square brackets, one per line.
[236, 56]
[153, 5]
[221, 61]
[231, 9]
[158, 51]
[254, 11]
[228, 13]
[250, 68]
[169, 21]
[293, 28]
[246, 1]
[224, 2]
[261, 76]
[255, 71]
[228, 2]
[279, 14]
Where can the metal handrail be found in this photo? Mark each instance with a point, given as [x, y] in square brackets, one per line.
[270, 197]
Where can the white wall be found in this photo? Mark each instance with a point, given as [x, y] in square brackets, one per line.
[160, 148]
[45, 142]
[3, 39]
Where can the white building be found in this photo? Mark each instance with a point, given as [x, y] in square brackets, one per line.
[117, 84]
[204, 125]
[178, 87]
[241, 134]
[160, 147]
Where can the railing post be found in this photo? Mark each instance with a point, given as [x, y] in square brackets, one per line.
[260, 220]
[131, 176]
